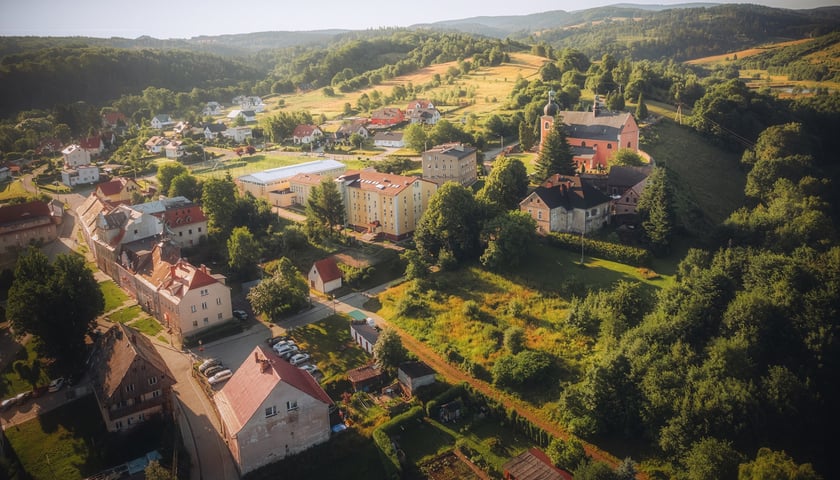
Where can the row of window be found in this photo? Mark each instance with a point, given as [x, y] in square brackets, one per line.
[272, 410]
[194, 309]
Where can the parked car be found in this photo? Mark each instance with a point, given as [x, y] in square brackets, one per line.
[56, 384]
[272, 341]
[288, 352]
[285, 348]
[213, 370]
[240, 314]
[299, 359]
[309, 367]
[210, 362]
[8, 403]
[22, 397]
[220, 377]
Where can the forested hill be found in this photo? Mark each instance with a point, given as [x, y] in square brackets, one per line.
[679, 32]
[95, 75]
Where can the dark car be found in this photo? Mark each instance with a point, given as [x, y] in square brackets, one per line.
[213, 370]
[240, 314]
[271, 341]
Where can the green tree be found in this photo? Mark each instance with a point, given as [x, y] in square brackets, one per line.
[285, 291]
[593, 470]
[325, 206]
[626, 157]
[416, 266]
[711, 458]
[243, 252]
[155, 471]
[449, 224]
[567, 454]
[414, 137]
[656, 210]
[167, 172]
[514, 339]
[641, 107]
[218, 199]
[615, 101]
[388, 350]
[57, 303]
[509, 237]
[770, 464]
[527, 138]
[356, 140]
[506, 185]
[555, 155]
[185, 185]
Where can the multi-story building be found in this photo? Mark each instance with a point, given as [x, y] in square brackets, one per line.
[452, 162]
[567, 204]
[130, 380]
[26, 223]
[183, 221]
[376, 202]
[264, 184]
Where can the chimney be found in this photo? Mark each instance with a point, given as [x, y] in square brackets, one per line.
[256, 356]
[264, 365]
[204, 268]
[172, 270]
[595, 109]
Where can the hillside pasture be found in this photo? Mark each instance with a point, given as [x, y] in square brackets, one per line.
[484, 84]
[726, 57]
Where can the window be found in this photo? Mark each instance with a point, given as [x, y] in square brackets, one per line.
[118, 424]
[628, 145]
[204, 292]
[539, 214]
[192, 308]
[219, 315]
[582, 144]
[129, 387]
[271, 411]
[204, 305]
[206, 320]
[219, 301]
[547, 125]
[156, 394]
[609, 146]
[152, 380]
[195, 323]
[291, 405]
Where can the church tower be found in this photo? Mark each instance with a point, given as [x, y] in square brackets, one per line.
[547, 120]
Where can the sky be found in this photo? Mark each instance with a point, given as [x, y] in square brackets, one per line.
[186, 19]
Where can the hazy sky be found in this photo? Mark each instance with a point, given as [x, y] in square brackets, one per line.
[185, 19]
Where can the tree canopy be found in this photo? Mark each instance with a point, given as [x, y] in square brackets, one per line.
[506, 185]
[285, 291]
[449, 224]
[555, 155]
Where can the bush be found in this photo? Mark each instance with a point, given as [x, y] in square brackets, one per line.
[354, 275]
[382, 438]
[471, 310]
[609, 251]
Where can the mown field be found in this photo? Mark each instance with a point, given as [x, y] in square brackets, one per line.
[483, 86]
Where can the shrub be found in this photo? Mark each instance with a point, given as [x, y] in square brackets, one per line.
[471, 310]
[514, 339]
[609, 251]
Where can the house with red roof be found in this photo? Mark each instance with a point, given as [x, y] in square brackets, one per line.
[24, 224]
[93, 145]
[422, 111]
[306, 134]
[114, 120]
[270, 410]
[387, 117]
[324, 276]
[184, 222]
[117, 191]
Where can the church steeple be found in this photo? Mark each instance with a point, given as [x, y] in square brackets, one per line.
[551, 108]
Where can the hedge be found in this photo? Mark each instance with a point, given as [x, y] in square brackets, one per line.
[445, 397]
[382, 438]
[505, 413]
[610, 251]
[213, 333]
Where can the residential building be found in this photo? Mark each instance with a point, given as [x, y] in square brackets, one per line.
[183, 221]
[625, 185]
[119, 190]
[452, 162]
[174, 150]
[413, 375]
[270, 410]
[306, 134]
[93, 145]
[114, 120]
[422, 111]
[75, 155]
[533, 464]
[81, 175]
[130, 380]
[595, 135]
[162, 121]
[261, 184]
[249, 116]
[212, 108]
[389, 139]
[212, 131]
[387, 117]
[376, 203]
[156, 144]
[325, 276]
[110, 230]
[186, 299]
[364, 334]
[24, 224]
[567, 204]
[249, 103]
[350, 127]
[238, 134]
[181, 127]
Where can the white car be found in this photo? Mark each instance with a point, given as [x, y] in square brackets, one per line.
[311, 368]
[286, 349]
[220, 377]
[56, 385]
[299, 359]
[282, 343]
[210, 362]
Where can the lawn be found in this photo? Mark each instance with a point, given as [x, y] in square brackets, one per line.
[422, 441]
[10, 190]
[114, 295]
[331, 347]
[709, 180]
[34, 372]
[127, 314]
[147, 325]
[61, 443]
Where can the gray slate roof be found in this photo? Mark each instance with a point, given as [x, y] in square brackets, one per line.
[604, 126]
[577, 194]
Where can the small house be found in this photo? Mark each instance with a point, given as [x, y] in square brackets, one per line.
[325, 276]
[533, 464]
[413, 375]
[364, 335]
[366, 379]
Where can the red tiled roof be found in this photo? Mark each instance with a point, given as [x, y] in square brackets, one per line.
[91, 143]
[111, 118]
[304, 130]
[327, 269]
[184, 216]
[14, 213]
[114, 187]
[418, 104]
[254, 381]
[372, 181]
